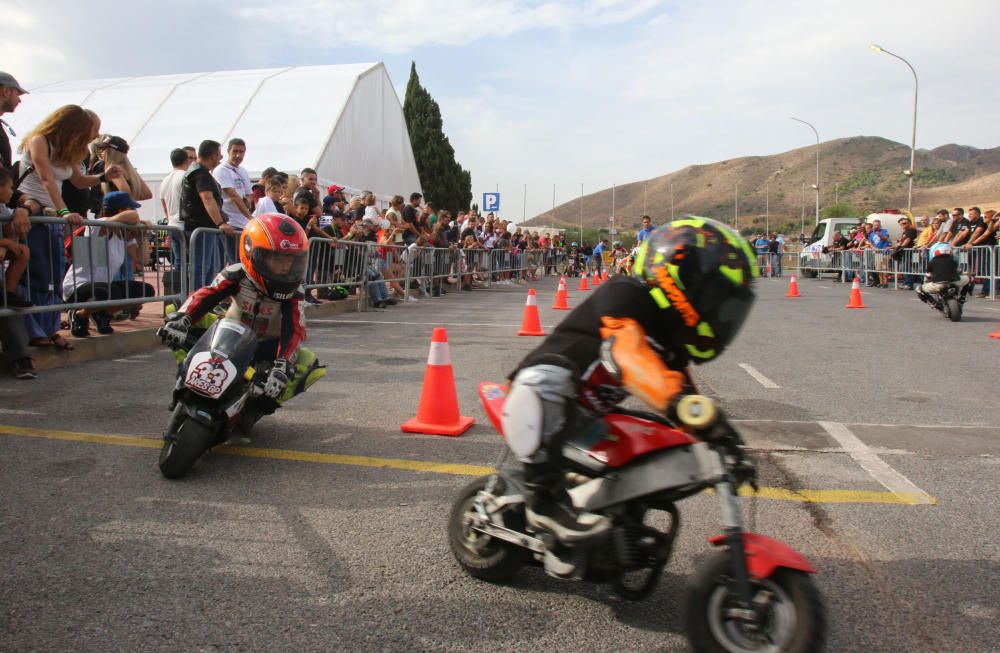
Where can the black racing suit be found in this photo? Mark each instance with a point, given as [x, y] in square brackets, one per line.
[615, 344]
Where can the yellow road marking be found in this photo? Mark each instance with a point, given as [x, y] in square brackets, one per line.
[779, 494]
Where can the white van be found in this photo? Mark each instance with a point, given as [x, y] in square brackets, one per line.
[814, 256]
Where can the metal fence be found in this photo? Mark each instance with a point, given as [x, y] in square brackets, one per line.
[82, 262]
[102, 264]
[894, 266]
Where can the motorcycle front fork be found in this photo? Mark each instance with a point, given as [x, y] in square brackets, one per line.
[732, 523]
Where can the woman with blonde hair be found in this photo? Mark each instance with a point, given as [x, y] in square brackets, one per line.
[113, 151]
[51, 153]
[288, 197]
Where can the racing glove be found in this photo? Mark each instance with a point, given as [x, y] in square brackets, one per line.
[277, 379]
[174, 332]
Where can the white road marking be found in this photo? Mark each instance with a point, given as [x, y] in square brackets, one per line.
[15, 411]
[436, 324]
[749, 420]
[871, 463]
[128, 360]
[763, 380]
[824, 287]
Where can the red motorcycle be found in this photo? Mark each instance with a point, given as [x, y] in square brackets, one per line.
[756, 594]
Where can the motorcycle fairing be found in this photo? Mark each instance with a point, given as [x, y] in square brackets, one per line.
[630, 437]
[627, 436]
[676, 468]
[764, 555]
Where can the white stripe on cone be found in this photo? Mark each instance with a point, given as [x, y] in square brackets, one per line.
[531, 301]
[439, 354]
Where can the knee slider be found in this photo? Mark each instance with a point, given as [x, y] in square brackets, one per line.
[535, 407]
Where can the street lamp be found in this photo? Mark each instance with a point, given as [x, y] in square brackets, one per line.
[913, 134]
[816, 185]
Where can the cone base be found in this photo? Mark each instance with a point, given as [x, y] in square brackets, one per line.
[792, 296]
[560, 308]
[861, 306]
[995, 335]
[458, 428]
[530, 333]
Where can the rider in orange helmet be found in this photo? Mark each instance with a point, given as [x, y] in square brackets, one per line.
[267, 293]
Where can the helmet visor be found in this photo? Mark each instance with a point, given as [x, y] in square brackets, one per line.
[281, 267]
[727, 314]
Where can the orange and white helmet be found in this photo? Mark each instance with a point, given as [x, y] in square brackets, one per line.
[274, 250]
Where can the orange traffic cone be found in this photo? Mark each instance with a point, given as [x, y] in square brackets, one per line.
[855, 295]
[793, 288]
[437, 413]
[561, 303]
[583, 283]
[597, 279]
[996, 334]
[604, 275]
[531, 325]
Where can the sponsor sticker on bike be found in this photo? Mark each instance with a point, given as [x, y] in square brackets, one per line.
[232, 325]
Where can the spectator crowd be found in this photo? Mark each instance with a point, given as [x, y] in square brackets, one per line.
[66, 168]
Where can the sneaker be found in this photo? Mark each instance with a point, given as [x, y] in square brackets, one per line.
[982, 295]
[412, 299]
[78, 326]
[391, 302]
[24, 369]
[379, 304]
[567, 524]
[103, 322]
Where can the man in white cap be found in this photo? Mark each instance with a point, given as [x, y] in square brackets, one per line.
[13, 337]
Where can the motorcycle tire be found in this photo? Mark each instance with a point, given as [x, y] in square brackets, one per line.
[954, 310]
[183, 448]
[480, 555]
[795, 622]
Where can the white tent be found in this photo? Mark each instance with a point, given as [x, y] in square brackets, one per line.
[344, 121]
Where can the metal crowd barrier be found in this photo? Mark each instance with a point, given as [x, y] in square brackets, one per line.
[901, 266]
[80, 258]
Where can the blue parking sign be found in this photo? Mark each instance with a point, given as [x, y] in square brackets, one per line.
[491, 202]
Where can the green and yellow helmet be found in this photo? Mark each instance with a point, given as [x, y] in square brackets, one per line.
[701, 272]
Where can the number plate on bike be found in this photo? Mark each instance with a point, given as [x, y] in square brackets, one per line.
[209, 375]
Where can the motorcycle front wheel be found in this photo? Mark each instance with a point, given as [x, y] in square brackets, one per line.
[792, 619]
[478, 554]
[182, 448]
[954, 310]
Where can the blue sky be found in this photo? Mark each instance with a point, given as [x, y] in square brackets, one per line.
[595, 92]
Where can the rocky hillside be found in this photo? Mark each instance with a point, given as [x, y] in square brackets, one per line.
[863, 171]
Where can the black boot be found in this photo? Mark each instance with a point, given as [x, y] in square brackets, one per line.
[548, 507]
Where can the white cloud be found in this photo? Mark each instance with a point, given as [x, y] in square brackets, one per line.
[398, 27]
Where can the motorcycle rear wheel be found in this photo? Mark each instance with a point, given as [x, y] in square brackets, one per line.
[794, 621]
[478, 554]
[954, 311]
[182, 448]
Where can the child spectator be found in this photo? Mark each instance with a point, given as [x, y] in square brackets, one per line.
[88, 279]
[10, 250]
[271, 201]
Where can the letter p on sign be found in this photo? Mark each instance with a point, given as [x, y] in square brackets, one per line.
[491, 202]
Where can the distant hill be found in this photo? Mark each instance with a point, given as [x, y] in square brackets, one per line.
[863, 171]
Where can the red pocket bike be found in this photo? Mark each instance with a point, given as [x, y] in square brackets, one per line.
[755, 594]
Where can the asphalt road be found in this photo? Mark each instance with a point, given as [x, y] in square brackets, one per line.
[878, 451]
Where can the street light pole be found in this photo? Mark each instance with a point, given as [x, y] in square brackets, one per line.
[767, 208]
[736, 209]
[913, 133]
[802, 222]
[817, 162]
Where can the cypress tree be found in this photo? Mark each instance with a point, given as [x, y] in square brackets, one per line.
[444, 181]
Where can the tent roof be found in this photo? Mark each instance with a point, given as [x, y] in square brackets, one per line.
[287, 116]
